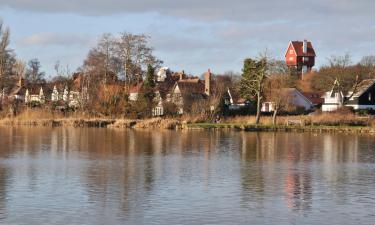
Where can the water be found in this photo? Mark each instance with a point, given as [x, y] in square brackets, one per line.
[100, 176]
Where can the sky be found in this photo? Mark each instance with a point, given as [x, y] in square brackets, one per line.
[190, 35]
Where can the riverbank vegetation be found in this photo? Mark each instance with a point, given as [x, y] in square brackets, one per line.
[121, 89]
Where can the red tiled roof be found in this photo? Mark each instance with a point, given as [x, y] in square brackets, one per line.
[136, 88]
[315, 98]
[298, 47]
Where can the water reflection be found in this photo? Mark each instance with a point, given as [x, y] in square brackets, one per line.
[96, 176]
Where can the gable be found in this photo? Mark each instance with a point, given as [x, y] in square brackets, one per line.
[291, 51]
[298, 48]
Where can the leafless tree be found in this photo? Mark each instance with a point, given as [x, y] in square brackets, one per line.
[7, 57]
[33, 73]
[19, 69]
[276, 93]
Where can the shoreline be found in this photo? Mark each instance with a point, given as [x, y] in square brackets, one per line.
[173, 124]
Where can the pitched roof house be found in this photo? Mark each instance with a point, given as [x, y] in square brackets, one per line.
[187, 91]
[333, 99]
[296, 98]
[301, 56]
[363, 96]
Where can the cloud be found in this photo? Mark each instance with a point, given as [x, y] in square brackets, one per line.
[255, 10]
[55, 39]
[198, 33]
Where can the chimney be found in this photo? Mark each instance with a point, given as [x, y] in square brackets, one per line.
[305, 46]
[207, 82]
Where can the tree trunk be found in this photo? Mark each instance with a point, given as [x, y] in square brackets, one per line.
[274, 117]
[257, 119]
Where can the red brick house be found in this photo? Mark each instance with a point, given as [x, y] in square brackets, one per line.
[301, 56]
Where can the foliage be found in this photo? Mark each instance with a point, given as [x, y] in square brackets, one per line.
[252, 81]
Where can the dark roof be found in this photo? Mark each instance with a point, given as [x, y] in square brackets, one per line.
[298, 47]
[191, 86]
[164, 88]
[314, 97]
[363, 87]
[236, 97]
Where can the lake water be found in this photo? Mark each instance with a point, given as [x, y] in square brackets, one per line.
[103, 176]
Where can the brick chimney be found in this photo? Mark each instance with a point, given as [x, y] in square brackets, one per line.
[207, 82]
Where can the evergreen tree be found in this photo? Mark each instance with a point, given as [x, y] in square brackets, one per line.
[252, 81]
[150, 78]
[149, 88]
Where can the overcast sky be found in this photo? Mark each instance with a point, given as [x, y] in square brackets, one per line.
[193, 35]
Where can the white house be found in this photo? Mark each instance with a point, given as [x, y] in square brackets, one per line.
[37, 98]
[333, 99]
[296, 98]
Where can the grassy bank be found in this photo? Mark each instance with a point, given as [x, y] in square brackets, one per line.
[283, 128]
[331, 122]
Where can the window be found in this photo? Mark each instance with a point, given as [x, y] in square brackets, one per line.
[291, 58]
[369, 97]
[306, 59]
[291, 51]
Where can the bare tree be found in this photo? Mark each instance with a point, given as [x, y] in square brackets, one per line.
[135, 55]
[277, 94]
[7, 57]
[19, 68]
[368, 61]
[33, 73]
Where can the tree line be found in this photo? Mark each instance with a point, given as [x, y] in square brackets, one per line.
[128, 59]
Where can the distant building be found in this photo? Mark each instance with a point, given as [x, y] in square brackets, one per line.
[33, 97]
[186, 91]
[333, 99]
[300, 56]
[295, 99]
[363, 97]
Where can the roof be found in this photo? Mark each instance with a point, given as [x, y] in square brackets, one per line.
[164, 88]
[136, 88]
[191, 87]
[363, 87]
[290, 91]
[298, 47]
[314, 97]
[236, 96]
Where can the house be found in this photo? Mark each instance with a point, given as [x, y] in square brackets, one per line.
[17, 93]
[158, 110]
[134, 92]
[363, 96]
[301, 56]
[187, 91]
[74, 97]
[295, 99]
[162, 74]
[33, 97]
[315, 98]
[333, 99]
